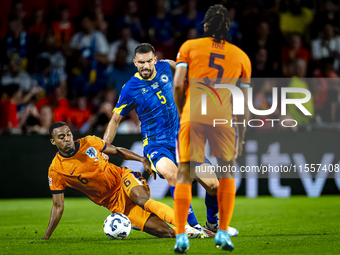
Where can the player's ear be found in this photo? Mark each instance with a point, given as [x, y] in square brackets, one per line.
[156, 58]
[52, 141]
[205, 27]
[135, 62]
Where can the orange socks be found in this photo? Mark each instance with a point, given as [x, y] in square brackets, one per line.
[163, 211]
[182, 203]
[226, 200]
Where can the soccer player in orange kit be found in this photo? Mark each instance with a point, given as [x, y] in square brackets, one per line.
[207, 61]
[80, 165]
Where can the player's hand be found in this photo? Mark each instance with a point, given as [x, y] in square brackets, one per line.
[105, 156]
[36, 90]
[240, 147]
[147, 168]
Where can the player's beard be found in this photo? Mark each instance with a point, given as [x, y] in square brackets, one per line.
[146, 76]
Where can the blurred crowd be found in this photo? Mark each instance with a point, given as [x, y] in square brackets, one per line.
[68, 60]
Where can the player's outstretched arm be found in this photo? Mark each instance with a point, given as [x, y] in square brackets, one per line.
[123, 153]
[56, 213]
[112, 127]
[179, 81]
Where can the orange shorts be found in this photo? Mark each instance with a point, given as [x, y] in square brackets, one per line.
[137, 215]
[192, 138]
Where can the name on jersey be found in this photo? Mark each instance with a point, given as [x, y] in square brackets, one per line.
[218, 45]
[91, 152]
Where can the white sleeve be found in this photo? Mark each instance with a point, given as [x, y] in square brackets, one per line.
[75, 42]
[112, 51]
[316, 49]
[25, 81]
[102, 46]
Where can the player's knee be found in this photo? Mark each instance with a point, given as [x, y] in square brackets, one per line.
[212, 188]
[141, 200]
[171, 178]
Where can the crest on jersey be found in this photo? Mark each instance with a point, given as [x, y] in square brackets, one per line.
[164, 78]
[91, 152]
[50, 181]
[144, 90]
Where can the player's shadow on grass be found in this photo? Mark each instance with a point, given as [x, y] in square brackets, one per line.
[97, 240]
[324, 234]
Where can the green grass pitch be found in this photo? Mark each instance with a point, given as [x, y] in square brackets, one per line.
[298, 225]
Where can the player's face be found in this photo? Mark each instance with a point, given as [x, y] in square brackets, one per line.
[62, 138]
[145, 64]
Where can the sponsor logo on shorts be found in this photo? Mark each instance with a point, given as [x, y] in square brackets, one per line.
[153, 154]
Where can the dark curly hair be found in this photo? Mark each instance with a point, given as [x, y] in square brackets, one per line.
[56, 125]
[217, 23]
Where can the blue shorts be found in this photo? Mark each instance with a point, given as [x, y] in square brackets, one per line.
[154, 151]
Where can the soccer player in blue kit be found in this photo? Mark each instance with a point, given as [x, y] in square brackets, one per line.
[150, 93]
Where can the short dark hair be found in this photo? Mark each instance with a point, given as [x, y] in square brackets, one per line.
[123, 48]
[43, 63]
[217, 23]
[56, 125]
[144, 48]
[11, 89]
[88, 15]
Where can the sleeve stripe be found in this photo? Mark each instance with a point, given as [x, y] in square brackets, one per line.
[119, 109]
[182, 64]
[57, 191]
[104, 148]
[244, 85]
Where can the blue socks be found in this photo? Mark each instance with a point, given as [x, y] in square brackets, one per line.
[211, 203]
[191, 216]
[212, 208]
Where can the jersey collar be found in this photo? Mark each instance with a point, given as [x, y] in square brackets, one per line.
[74, 153]
[153, 75]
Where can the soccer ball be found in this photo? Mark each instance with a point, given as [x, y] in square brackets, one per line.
[117, 226]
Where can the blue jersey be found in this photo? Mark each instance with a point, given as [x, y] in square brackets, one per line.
[154, 103]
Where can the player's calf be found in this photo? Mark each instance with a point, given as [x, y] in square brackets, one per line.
[140, 196]
[157, 227]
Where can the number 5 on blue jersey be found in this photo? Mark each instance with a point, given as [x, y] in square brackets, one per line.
[161, 97]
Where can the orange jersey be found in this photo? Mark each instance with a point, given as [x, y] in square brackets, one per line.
[211, 63]
[88, 172]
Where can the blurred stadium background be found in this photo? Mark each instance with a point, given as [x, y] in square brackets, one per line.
[67, 61]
